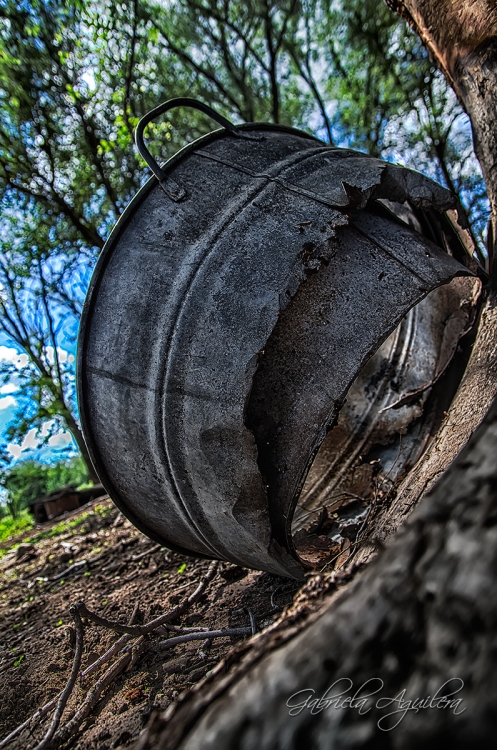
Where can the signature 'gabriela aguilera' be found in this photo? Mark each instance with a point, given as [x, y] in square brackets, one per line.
[342, 694]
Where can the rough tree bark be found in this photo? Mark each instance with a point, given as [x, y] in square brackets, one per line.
[80, 442]
[425, 610]
[461, 36]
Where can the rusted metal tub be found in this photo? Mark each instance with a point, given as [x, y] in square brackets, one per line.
[236, 301]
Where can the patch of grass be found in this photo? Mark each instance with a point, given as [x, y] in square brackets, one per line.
[10, 527]
[61, 528]
[85, 486]
[73, 523]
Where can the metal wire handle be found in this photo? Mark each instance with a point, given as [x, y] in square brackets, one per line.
[181, 101]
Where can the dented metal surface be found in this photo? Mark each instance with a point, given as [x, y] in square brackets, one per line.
[388, 417]
[224, 328]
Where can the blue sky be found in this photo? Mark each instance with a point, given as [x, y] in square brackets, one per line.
[58, 446]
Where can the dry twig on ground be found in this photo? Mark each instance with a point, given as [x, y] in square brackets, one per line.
[134, 641]
[64, 696]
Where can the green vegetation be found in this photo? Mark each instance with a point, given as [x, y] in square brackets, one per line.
[27, 480]
[71, 524]
[10, 526]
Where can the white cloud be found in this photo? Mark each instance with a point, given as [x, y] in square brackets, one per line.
[8, 388]
[31, 441]
[64, 356]
[60, 440]
[14, 450]
[9, 354]
[6, 402]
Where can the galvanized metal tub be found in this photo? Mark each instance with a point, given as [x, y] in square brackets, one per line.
[233, 306]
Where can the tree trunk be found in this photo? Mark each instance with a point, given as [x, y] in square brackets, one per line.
[78, 437]
[425, 610]
[461, 36]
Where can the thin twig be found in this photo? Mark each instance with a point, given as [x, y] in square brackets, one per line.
[64, 696]
[199, 636]
[70, 569]
[39, 714]
[92, 698]
[153, 624]
[114, 649]
[132, 653]
[150, 551]
[137, 649]
[76, 566]
[185, 586]
[329, 504]
[253, 623]
[204, 645]
[180, 629]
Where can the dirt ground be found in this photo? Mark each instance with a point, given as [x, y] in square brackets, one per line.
[98, 557]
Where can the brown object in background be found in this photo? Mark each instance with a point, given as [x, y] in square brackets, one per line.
[61, 500]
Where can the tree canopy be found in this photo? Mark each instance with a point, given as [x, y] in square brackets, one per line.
[75, 77]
